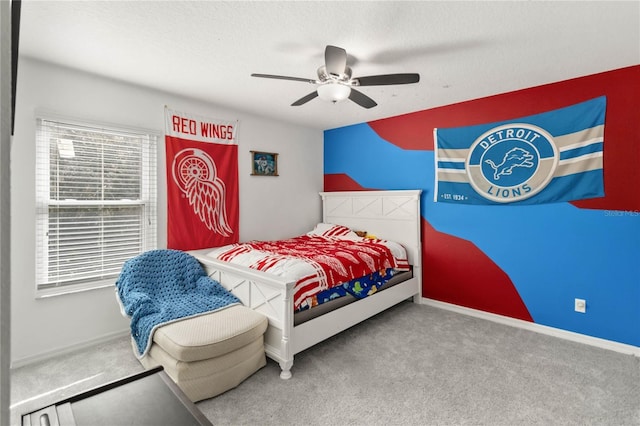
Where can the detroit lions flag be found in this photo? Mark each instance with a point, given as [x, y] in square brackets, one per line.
[551, 157]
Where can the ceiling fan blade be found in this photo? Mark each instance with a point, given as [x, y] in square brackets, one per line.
[361, 99]
[335, 60]
[383, 80]
[305, 99]
[283, 77]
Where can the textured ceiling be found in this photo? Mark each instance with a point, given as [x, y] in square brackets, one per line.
[208, 49]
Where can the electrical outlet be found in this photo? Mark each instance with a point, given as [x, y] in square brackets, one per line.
[580, 305]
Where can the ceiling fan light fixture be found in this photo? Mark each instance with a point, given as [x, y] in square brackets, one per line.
[334, 92]
[334, 83]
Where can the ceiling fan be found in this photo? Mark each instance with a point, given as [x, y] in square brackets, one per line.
[335, 83]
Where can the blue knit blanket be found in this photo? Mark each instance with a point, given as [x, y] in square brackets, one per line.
[162, 286]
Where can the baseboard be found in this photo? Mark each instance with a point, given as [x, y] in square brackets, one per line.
[538, 328]
[68, 349]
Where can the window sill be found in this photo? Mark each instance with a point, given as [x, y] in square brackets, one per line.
[71, 289]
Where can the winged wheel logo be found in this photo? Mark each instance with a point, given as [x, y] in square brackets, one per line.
[195, 173]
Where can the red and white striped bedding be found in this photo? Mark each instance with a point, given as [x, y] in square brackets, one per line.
[325, 257]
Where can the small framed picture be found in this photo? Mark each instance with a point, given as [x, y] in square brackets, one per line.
[264, 163]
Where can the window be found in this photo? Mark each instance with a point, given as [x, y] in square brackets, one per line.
[96, 203]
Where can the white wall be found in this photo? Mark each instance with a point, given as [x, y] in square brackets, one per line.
[270, 207]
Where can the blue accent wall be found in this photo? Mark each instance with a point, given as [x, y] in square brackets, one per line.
[552, 253]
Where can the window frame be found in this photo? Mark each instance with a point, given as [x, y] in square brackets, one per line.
[148, 201]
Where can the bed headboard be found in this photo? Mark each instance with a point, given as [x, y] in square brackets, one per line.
[390, 215]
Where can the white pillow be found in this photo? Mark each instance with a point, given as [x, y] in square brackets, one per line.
[331, 230]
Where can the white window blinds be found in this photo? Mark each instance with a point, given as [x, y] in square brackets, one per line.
[96, 202]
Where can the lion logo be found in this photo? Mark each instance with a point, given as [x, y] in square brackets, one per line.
[516, 157]
[511, 162]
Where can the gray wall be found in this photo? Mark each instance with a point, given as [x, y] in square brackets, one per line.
[270, 207]
[5, 201]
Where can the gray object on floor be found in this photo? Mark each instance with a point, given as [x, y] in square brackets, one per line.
[146, 398]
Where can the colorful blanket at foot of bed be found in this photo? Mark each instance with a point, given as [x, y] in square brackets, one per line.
[358, 288]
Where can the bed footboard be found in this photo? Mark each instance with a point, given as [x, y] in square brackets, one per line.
[273, 298]
[263, 293]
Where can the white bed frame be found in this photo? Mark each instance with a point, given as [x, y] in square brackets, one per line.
[391, 215]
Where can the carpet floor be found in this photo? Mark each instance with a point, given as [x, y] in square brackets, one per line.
[410, 365]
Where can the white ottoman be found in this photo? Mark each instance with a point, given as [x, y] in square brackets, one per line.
[212, 353]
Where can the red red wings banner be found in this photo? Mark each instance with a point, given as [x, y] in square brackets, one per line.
[202, 181]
